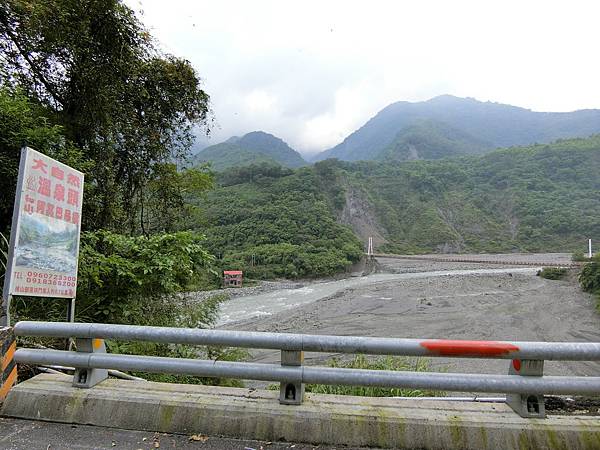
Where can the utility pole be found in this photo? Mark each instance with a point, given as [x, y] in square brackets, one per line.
[589, 248]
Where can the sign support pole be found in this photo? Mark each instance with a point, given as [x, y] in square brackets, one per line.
[5, 312]
[71, 310]
[70, 318]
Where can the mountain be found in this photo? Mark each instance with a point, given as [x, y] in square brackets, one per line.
[253, 148]
[283, 223]
[538, 198]
[429, 139]
[224, 156]
[496, 124]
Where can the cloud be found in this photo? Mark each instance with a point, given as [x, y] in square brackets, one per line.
[311, 72]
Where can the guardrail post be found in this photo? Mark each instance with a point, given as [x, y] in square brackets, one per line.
[8, 368]
[291, 392]
[527, 405]
[86, 377]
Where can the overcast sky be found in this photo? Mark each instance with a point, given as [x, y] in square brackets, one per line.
[311, 72]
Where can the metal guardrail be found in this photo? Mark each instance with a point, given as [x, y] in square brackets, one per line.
[525, 383]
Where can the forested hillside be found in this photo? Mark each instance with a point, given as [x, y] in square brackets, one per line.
[428, 139]
[537, 198]
[273, 222]
[494, 124]
[253, 148]
[226, 155]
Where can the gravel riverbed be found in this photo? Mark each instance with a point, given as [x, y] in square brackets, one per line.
[510, 304]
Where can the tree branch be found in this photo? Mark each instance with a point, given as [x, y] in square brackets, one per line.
[34, 68]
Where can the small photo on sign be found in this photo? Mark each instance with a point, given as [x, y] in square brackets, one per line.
[47, 244]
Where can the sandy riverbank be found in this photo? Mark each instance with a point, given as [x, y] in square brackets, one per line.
[515, 305]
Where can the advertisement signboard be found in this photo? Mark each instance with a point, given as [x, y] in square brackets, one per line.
[44, 242]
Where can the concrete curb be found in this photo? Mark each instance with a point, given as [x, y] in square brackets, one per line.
[322, 419]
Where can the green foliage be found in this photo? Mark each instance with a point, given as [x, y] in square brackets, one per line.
[132, 280]
[331, 183]
[97, 73]
[276, 226]
[118, 274]
[538, 198]
[139, 281]
[24, 121]
[590, 277]
[274, 223]
[262, 173]
[226, 155]
[184, 314]
[553, 273]
[163, 206]
[429, 139]
[272, 146]
[383, 363]
[256, 147]
[579, 257]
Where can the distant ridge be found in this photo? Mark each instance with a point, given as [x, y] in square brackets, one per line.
[492, 124]
[252, 148]
[429, 139]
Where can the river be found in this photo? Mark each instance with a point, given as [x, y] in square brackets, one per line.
[253, 306]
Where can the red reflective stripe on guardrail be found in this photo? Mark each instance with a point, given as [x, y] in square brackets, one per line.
[468, 348]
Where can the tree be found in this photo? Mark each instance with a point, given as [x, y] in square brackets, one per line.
[101, 76]
[22, 120]
[164, 206]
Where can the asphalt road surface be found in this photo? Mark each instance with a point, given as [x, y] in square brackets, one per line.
[16, 434]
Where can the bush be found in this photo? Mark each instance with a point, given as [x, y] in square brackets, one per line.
[552, 273]
[138, 281]
[590, 276]
[188, 314]
[579, 257]
[119, 274]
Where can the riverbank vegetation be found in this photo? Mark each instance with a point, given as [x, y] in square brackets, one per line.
[590, 278]
[553, 273]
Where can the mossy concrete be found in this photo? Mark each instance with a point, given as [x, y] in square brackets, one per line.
[322, 419]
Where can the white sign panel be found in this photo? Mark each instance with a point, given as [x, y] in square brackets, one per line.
[44, 245]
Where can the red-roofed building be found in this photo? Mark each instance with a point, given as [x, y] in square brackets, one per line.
[232, 278]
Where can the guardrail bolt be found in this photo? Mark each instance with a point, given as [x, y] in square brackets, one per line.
[87, 378]
[527, 405]
[291, 392]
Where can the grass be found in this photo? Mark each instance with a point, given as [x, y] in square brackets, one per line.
[393, 363]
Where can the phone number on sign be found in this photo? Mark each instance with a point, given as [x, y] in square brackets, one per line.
[51, 279]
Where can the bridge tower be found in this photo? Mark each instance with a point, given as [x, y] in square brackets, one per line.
[370, 251]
